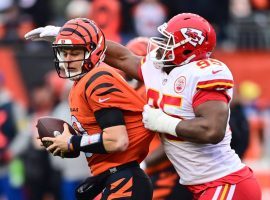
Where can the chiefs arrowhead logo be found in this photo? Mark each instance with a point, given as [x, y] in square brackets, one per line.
[180, 84]
[195, 35]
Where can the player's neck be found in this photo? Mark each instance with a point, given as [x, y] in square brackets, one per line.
[167, 70]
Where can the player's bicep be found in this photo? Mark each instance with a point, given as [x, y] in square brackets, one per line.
[112, 123]
[215, 113]
[108, 117]
[132, 66]
[121, 58]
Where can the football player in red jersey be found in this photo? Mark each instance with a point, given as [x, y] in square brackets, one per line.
[164, 178]
[188, 96]
[106, 112]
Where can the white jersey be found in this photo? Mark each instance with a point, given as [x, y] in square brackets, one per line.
[174, 92]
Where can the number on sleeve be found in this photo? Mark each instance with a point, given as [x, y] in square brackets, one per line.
[207, 62]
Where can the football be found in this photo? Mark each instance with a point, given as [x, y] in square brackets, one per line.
[51, 127]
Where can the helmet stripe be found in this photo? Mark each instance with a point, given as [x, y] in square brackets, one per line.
[95, 29]
[90, 36]
[73, 31]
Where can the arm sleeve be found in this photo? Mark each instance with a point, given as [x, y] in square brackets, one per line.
[203, 96]
[108, 117]
[214, 83]
[215, 78]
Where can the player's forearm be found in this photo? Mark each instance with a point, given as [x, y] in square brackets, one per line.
[115, 138]
[200, 130]
[121, 58]
[205, 128]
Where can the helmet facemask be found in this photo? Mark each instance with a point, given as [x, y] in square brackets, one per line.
[83, 35]
[163, 54]
[67, 68]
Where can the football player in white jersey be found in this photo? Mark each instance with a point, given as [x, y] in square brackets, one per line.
[188, 96]
[188, 102]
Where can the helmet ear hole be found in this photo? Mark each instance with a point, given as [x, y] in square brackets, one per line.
[93, 45]
[186, 52]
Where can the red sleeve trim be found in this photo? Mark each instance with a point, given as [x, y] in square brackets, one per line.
[203, 96]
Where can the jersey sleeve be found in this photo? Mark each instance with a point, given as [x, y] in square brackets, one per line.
[203, 96]
[215, 78]
[107, 89]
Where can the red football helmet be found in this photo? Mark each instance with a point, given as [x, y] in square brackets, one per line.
[187, 37]
[79, 33]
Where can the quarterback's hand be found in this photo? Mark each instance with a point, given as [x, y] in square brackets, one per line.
[47, 33]
[60, 142]
[158, 121]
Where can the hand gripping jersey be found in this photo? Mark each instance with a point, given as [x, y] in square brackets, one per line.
[174, 93]
[101, 88]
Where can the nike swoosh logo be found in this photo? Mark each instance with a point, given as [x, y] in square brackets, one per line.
[215, 72]
[103, 100]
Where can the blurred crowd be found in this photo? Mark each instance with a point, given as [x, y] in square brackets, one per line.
[123, 19]
[27, 171]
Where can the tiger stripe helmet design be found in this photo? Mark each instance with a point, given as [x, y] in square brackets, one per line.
[80, 33]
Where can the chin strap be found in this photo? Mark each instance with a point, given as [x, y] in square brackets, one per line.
[160, 65]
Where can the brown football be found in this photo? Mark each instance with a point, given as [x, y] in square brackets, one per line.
[51, 127]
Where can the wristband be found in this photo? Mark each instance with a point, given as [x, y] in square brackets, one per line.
[169, 125]
[88, 143]
[166, 124]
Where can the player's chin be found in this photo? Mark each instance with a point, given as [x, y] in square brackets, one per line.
[74, 76]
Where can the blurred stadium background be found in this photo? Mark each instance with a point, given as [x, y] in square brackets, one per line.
[29, 86]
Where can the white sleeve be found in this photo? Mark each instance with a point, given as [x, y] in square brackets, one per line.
[215, 78]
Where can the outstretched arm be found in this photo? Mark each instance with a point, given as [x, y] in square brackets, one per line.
[121, 58]
[47, 33]
[117, 55]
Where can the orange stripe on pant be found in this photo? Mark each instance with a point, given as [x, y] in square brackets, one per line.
[122, 191]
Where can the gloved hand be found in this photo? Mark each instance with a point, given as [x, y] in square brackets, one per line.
[47, 33]
[156, 120]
